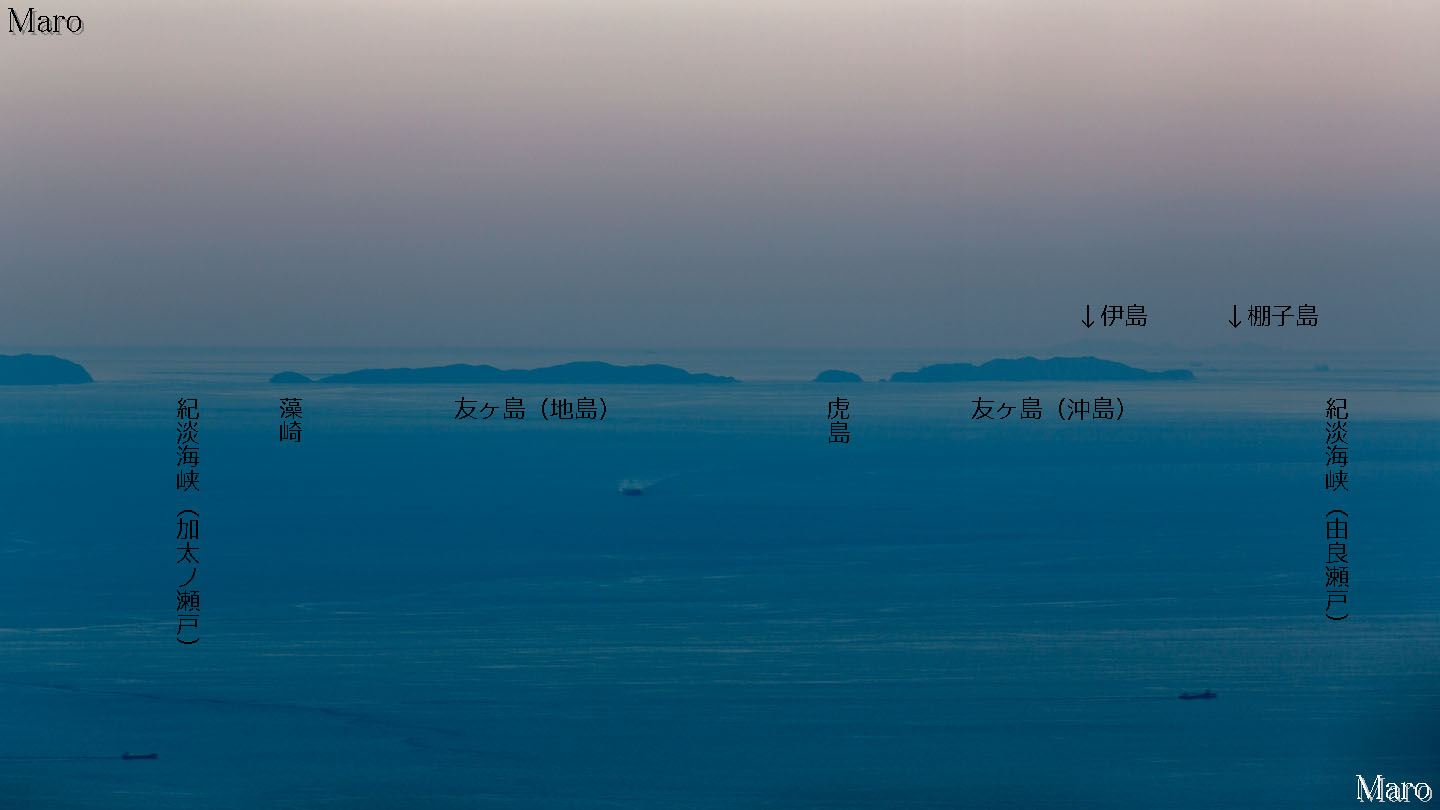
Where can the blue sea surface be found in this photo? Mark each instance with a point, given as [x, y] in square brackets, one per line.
[409, 610]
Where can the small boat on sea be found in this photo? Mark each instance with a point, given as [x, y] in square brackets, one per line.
[128, 755]
[631, 491]
[1206, 695]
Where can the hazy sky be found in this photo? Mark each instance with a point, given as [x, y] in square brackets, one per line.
[746, 173]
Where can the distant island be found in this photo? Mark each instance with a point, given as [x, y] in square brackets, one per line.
[40, 369]
[583, 372]
[1091, 346]
[835, 375]
[1028, 369]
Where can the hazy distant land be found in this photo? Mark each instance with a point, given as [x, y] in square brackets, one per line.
[1028, 369]
[581, 372]
[40, 369]
[594, 372]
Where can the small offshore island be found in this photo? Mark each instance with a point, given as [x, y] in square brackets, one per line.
[589, 372]
[40, 369]
[1028, 369]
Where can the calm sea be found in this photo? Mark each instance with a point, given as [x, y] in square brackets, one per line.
[405, 610]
